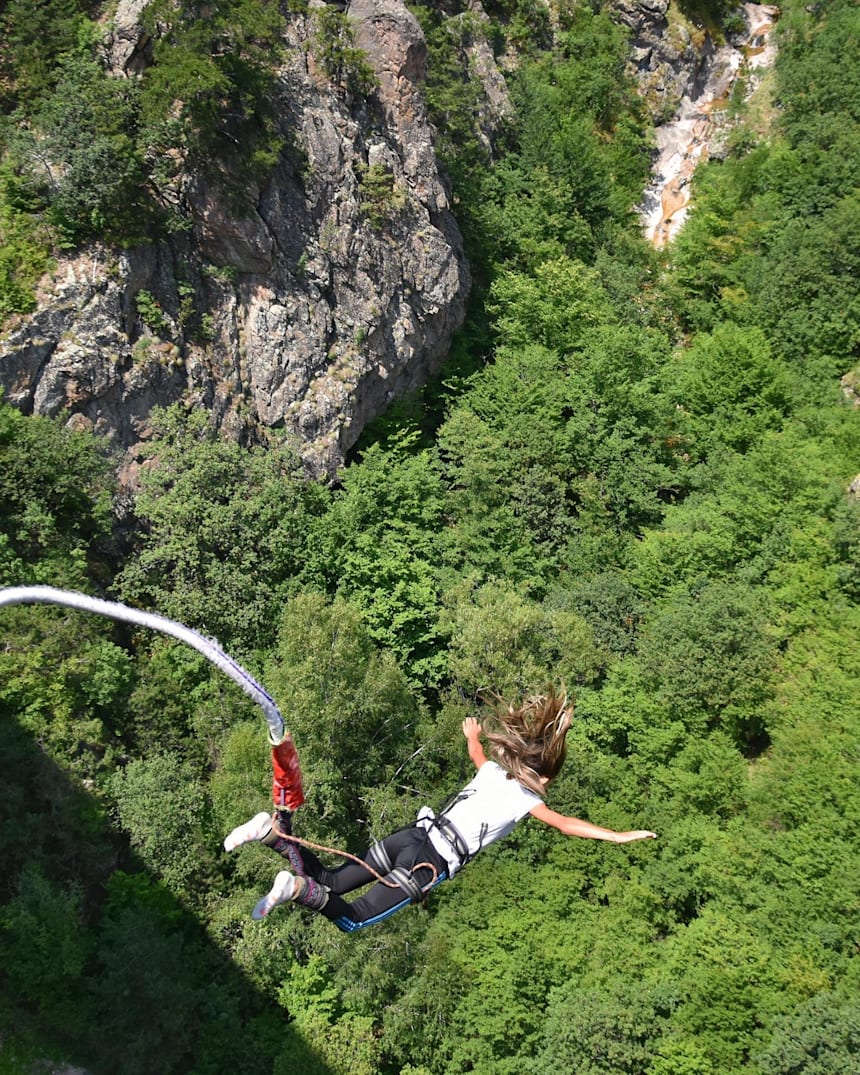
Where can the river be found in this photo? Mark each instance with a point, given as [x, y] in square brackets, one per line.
[685, 140]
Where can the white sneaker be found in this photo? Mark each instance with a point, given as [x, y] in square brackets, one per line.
[281, 892]
[255, 829]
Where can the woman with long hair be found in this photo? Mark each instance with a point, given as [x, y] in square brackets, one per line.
[526, 747]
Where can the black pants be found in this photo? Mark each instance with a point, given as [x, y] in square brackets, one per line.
[407, 848]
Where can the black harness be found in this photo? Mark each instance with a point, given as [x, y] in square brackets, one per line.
[451, 835]
[404, 876]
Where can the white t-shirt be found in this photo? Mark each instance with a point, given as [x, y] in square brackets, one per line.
[487, 809]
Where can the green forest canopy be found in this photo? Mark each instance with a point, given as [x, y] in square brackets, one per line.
[645, 493]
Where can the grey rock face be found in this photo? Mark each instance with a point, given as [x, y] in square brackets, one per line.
[333, 289]
[127, 46]
[666, 57]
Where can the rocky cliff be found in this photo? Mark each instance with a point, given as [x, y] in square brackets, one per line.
[668, 54]
[330, 290]
[326, 292]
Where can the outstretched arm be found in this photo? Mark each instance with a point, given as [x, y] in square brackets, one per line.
[472, 730]
[574, 826]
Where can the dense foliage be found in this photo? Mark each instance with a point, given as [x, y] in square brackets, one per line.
[642, 489]
[87, 153]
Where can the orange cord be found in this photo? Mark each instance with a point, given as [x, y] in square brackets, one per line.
[345, 854]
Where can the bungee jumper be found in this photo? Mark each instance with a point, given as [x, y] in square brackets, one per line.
[527, 748]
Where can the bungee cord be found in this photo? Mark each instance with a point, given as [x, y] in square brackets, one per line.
[287, 781]
[49, 595]
[360, 861]
[277, 734]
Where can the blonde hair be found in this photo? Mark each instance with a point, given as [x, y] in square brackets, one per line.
[529, 742]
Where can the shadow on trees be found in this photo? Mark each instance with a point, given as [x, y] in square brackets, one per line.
[100, 965]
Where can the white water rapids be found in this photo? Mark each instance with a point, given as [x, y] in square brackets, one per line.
[684, 141]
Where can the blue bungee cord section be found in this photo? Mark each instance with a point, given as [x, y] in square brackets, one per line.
[48, 595]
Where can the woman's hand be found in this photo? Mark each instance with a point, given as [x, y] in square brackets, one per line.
[471, 728]
[635, 834]
[472, 731]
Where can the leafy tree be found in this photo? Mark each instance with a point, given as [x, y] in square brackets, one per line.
[500, 448]
[609, 604]
[216, 60]
[240, 785]
[593, 1032]
[705, 777]
[103, 152]
[709, 654]
[88, 131]
[715, 257]
[728, 388]
[772, 236]
[625, 715]
[503, 642]
[64, 681]
[33, 40]
[846, 538]
[618, 429]
[528, 215]
[25, 242]
[815, 67]
[427, 1001]
[336, 52]
[722, 12]
[55, 500]
[161, 805]
[553, 306]
[551, 457]
[679, 1054]
[380, 547]
[225, 531]
[178, 702]
[724, 980]
[579, 156]
[809, 779]
[823, 317]
[453, 96]
[525, 23]
[351, 712]
[44, 942]
[822, 1037]
[146, 1000]
[344, 1040]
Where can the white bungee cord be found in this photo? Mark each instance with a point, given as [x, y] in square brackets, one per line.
[49, 595]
